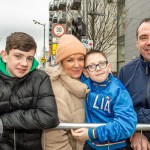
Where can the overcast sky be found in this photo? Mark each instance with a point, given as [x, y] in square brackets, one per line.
[18, 15]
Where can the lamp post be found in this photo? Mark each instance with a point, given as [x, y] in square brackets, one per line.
[36, 22]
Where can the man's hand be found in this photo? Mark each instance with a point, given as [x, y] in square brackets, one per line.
[80, 134]
[139, 142]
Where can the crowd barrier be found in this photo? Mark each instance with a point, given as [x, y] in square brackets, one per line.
[139, 127]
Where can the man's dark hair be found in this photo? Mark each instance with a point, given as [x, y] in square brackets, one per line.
[21, 41]
[144, 20]
[93, 51]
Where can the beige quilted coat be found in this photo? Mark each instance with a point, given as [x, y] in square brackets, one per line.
[69, 94]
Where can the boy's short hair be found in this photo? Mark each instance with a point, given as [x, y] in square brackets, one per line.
[21, 41]
[93, 51]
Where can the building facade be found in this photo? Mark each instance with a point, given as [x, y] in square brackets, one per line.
[137, 10]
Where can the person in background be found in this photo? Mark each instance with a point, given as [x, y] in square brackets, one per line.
[27, 102]
[135, 75]
[108, 102]
[69, 92]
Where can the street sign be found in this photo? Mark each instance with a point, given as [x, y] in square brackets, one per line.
[55, 40]
[54, 48]
[43, 60]
[58, 30]
[87, 43]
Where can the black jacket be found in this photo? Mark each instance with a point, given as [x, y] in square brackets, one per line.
[27, 106]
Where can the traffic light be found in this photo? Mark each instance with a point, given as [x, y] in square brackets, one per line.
[79, 27]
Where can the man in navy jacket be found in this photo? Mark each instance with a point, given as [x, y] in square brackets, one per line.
[136, 77]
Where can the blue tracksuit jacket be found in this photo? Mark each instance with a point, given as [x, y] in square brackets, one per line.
[110, 103]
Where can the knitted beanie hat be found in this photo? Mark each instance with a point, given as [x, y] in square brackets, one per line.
[68, 45]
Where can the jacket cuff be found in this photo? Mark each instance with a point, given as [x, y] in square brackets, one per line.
[92, 134]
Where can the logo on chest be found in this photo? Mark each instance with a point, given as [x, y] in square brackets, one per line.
[102, 103]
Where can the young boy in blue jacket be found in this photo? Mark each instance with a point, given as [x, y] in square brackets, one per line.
[107, 102]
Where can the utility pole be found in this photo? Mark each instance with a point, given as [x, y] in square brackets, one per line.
[43, 59]
[85, 15]
[36, 22]
[44, 41]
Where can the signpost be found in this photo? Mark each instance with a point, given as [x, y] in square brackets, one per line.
[55, 40]
[43, 60]
[87, 43]
[58, 30]
[54, 47]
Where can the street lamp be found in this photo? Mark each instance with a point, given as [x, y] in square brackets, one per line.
[36, 22]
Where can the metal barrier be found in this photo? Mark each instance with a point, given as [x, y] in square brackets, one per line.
[139, 127]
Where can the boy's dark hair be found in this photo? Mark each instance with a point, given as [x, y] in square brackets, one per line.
[93, 51]
[144, 20]
[21, 41]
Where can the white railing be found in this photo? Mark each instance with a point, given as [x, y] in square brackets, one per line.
[139, 127]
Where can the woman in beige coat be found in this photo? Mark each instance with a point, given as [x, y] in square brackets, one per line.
[69, 93]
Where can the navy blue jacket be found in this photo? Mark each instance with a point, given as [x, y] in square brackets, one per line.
[136, 77]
